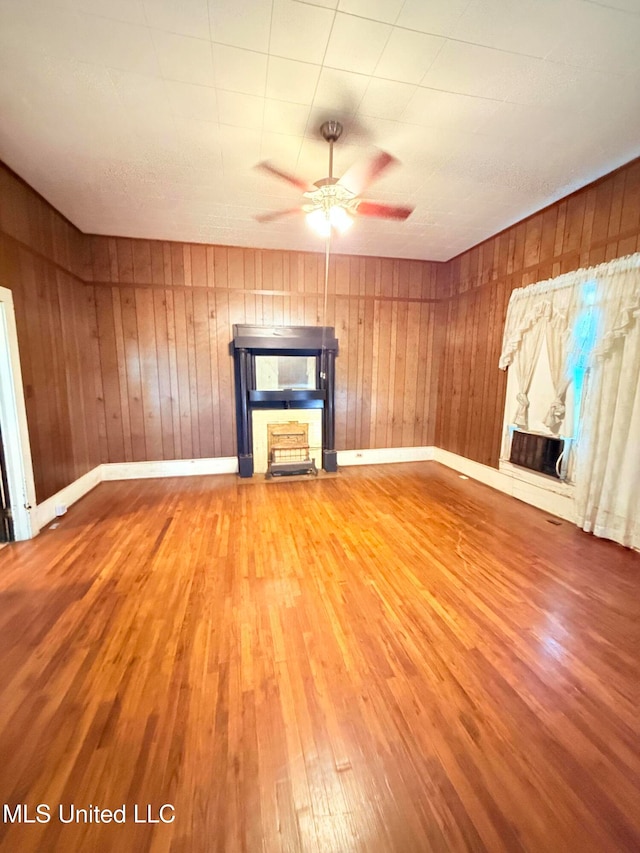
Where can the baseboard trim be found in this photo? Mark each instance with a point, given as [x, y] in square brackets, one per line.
[553, 502]
[385, 455]
[169, 468]
[46, 511]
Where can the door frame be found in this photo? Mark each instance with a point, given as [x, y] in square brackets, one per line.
[15, 432]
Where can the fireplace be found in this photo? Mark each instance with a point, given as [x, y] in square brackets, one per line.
[283, 372]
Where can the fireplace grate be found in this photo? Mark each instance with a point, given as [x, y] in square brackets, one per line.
[288, 449]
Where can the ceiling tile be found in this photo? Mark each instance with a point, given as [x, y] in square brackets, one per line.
[628, 5]
[313, 162]
[380, 132]
[284, 150]
[240, 148]
[386, 99]
[286, 118]
[445, 110]
[187, 18]
[188, 100]
[437, 17]
[530, 27]
[131, 11]
[185, 59]
[408, 56]
[339, 92]
[145, 100]
[620, 98]
[325, 4]
[300, 31]
[201, 149]
[289, 80]
[356, 44]
[240, 110]
[240, 70]
[481, 71]
[71, 87]
[68, 34]
[561, 87]
[103, 41]
[385, 11]
[515, 121]
[242, 23]
[599, 38]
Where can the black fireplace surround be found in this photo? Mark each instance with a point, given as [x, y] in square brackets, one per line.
[250, 341]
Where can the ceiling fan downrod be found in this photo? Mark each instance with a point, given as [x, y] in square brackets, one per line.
[331, 131]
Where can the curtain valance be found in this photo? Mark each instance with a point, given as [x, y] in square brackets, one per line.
[559, 300]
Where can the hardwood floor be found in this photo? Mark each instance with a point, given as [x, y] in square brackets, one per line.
[394, 659]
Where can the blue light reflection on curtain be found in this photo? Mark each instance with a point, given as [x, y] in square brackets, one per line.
[583, 339]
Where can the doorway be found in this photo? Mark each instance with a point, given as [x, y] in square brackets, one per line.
[6, 520]
[17, 488]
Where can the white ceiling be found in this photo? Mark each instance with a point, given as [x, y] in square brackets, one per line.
[144, 118]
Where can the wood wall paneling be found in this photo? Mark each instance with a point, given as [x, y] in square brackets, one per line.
[125, 343]
[42, 257]
[595, 224]
[164, 332]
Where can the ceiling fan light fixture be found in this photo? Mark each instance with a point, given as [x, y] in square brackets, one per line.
[339, 218]
[319, 222]
[322, 220]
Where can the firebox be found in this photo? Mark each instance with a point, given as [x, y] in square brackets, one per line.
[288, 450]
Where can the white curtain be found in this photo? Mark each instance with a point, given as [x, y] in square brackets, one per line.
[540, 311]
[558, 338]
[608, 452]
[606, 301]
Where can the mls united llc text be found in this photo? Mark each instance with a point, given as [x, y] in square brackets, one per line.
[69, 813]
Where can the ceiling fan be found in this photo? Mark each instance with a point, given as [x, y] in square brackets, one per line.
[333, 202]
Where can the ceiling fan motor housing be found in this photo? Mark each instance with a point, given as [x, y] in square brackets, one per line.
[331, 130]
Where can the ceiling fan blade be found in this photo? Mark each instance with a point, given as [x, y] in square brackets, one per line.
[383, 211]
[299, 183]
[277, 214]
[363, 173]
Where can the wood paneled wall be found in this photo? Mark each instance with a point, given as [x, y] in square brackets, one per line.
[595, 224]
[41, 260]
[163, 323]
[125, 343]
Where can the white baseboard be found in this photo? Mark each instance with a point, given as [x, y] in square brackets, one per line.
[556, 500]
[169, 468]
[384, 455]
[46, 511]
